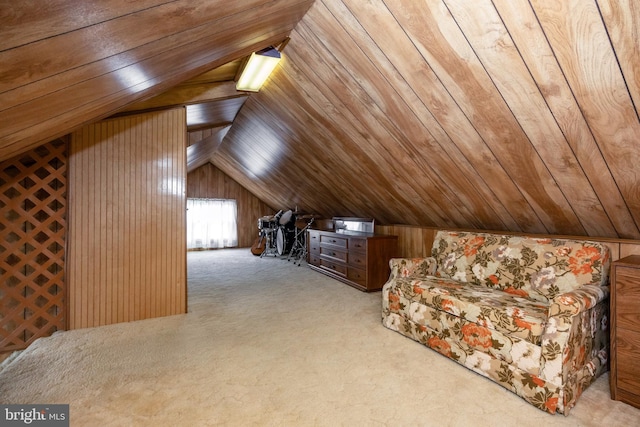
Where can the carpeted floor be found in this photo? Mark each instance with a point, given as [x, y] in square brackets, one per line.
[267, 343]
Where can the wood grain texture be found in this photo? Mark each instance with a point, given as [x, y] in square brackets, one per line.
[447, 49]
[413, 242]
[53, 85]
[581, 44]
[500, 57]
[127, 237]
[418, 85]
[622, 19]
[524, 28]
[28, 21]
[452, 114]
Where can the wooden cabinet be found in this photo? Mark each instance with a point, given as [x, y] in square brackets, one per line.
[625, 330]
[358, 259]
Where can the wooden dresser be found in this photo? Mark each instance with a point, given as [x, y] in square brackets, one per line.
[625, 330]
[358, 259]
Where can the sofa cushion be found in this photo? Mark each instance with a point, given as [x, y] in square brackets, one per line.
[490, 308]
[537, 268]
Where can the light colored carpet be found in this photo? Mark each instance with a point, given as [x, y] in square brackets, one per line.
[267, 343]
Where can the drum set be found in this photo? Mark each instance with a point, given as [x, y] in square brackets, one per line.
[285, 233]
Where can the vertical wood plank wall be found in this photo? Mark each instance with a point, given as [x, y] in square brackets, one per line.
[416, 242]
[208, 181]
[127, 203]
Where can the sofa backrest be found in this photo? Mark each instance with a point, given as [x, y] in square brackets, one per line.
[535, 268]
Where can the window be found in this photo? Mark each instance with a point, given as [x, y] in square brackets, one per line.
[211, 223]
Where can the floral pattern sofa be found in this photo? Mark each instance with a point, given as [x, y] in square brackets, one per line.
[529, 313]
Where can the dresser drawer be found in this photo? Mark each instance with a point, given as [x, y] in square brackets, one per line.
[627, 349]
[358, 259]
[357, 245]
[357, 275]
[333, 240]
[624, 376]
[314, 248]
[628, 286]
[333, 253]
[335, 267]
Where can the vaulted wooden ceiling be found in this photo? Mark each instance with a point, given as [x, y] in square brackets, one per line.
[515, 115]
[69, 63]
[495, 114]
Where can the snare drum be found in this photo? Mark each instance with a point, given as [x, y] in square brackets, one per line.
[266, 222]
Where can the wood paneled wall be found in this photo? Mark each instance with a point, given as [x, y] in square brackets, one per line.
[416, 242]
[210, 182]
[127, 229]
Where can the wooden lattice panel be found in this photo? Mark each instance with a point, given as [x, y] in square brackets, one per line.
[32, 245]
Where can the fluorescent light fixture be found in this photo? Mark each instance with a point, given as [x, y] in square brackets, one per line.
[258, 68]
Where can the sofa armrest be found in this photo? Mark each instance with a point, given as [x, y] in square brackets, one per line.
[410, 267]
[575, 333]
[572, 303]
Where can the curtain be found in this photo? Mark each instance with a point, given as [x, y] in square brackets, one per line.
[211, 223]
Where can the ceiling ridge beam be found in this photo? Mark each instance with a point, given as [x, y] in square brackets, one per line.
[186, 95]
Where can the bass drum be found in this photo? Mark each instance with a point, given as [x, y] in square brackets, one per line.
[284, 240]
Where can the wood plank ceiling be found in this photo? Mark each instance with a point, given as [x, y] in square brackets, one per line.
[67, 64]
[494, 114]
[212, 103]
[516, 115]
